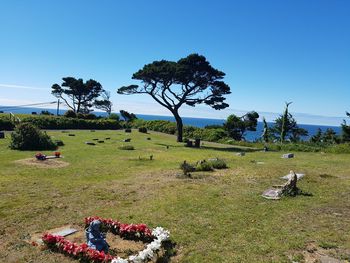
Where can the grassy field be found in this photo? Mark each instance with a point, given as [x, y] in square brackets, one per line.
[218, 217]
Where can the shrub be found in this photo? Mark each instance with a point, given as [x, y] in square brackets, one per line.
[127, 147]
[70, 114]
[53, 122]
[204, 166]
[339, 148]
[143, 129]
[299, 147]
[187, 168]
[45, 112]
[114, 116]
[86, 116]
[59, 142]
[6, 124]
[28, 137]
[218, 164]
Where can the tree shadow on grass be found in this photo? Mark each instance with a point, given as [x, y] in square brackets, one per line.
[230, 149]
[169, 145]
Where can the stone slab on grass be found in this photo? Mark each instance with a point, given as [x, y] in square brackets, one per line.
[65, 231]
[288, 155]
[271, 193]
[62, 231]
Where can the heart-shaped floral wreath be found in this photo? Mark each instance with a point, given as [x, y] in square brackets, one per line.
[155, 237]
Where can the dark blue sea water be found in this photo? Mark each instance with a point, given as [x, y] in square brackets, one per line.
[197, 122]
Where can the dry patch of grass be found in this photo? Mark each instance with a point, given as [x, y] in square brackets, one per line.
[49, 163]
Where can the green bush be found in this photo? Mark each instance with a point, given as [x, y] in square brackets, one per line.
[70, 114]
[211, 135]
[126, 147]
[54, 122]
[338, 148]
[114, 116]
[204, 166]
[298, 147]
[26, 136]
[218, 164]
[6, 124]
[45, 112]
[156, 125]
[187, 168]
[143, 129]
[59, 142]
[86, 116]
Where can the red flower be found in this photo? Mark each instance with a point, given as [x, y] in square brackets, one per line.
[35, 244]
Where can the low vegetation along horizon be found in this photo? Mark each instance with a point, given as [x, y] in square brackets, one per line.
[217, 215]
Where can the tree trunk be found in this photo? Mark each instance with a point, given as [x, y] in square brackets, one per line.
[179, 126]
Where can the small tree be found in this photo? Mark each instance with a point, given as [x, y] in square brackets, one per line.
[330, 136]
[346, 130]
[78, 95]
[26, 136]
[127, 116]
[191, 81]
[317, 138]
[286, 125]
[105, 104]
[265, 135]
[237, 126]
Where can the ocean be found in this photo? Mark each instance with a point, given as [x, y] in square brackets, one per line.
[197, 122]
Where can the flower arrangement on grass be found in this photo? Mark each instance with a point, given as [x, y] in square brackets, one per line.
[128, 231]
[40, 156]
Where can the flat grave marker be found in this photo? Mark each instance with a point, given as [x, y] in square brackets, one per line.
[288, 155]
[271, 193]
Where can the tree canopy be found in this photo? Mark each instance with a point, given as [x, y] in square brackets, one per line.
[287, 126]
[265, 135]
[345, 130]
[127, 116]
[237, 126]
[78, 95]
[189, 81]
[105, 104]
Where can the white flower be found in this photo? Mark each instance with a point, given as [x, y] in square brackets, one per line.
[119, 260]
[155, 245]
[160, 235]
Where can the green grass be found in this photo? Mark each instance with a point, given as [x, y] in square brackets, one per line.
[220, 217]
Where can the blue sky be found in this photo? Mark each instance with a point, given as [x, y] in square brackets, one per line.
[272, 51]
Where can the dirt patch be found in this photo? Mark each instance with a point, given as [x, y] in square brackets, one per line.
[317, 254]
[49, 163]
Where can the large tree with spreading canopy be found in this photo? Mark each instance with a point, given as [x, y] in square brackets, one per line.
[78, 95]
[189, 81]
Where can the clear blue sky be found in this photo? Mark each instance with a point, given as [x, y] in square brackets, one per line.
[271, 51]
